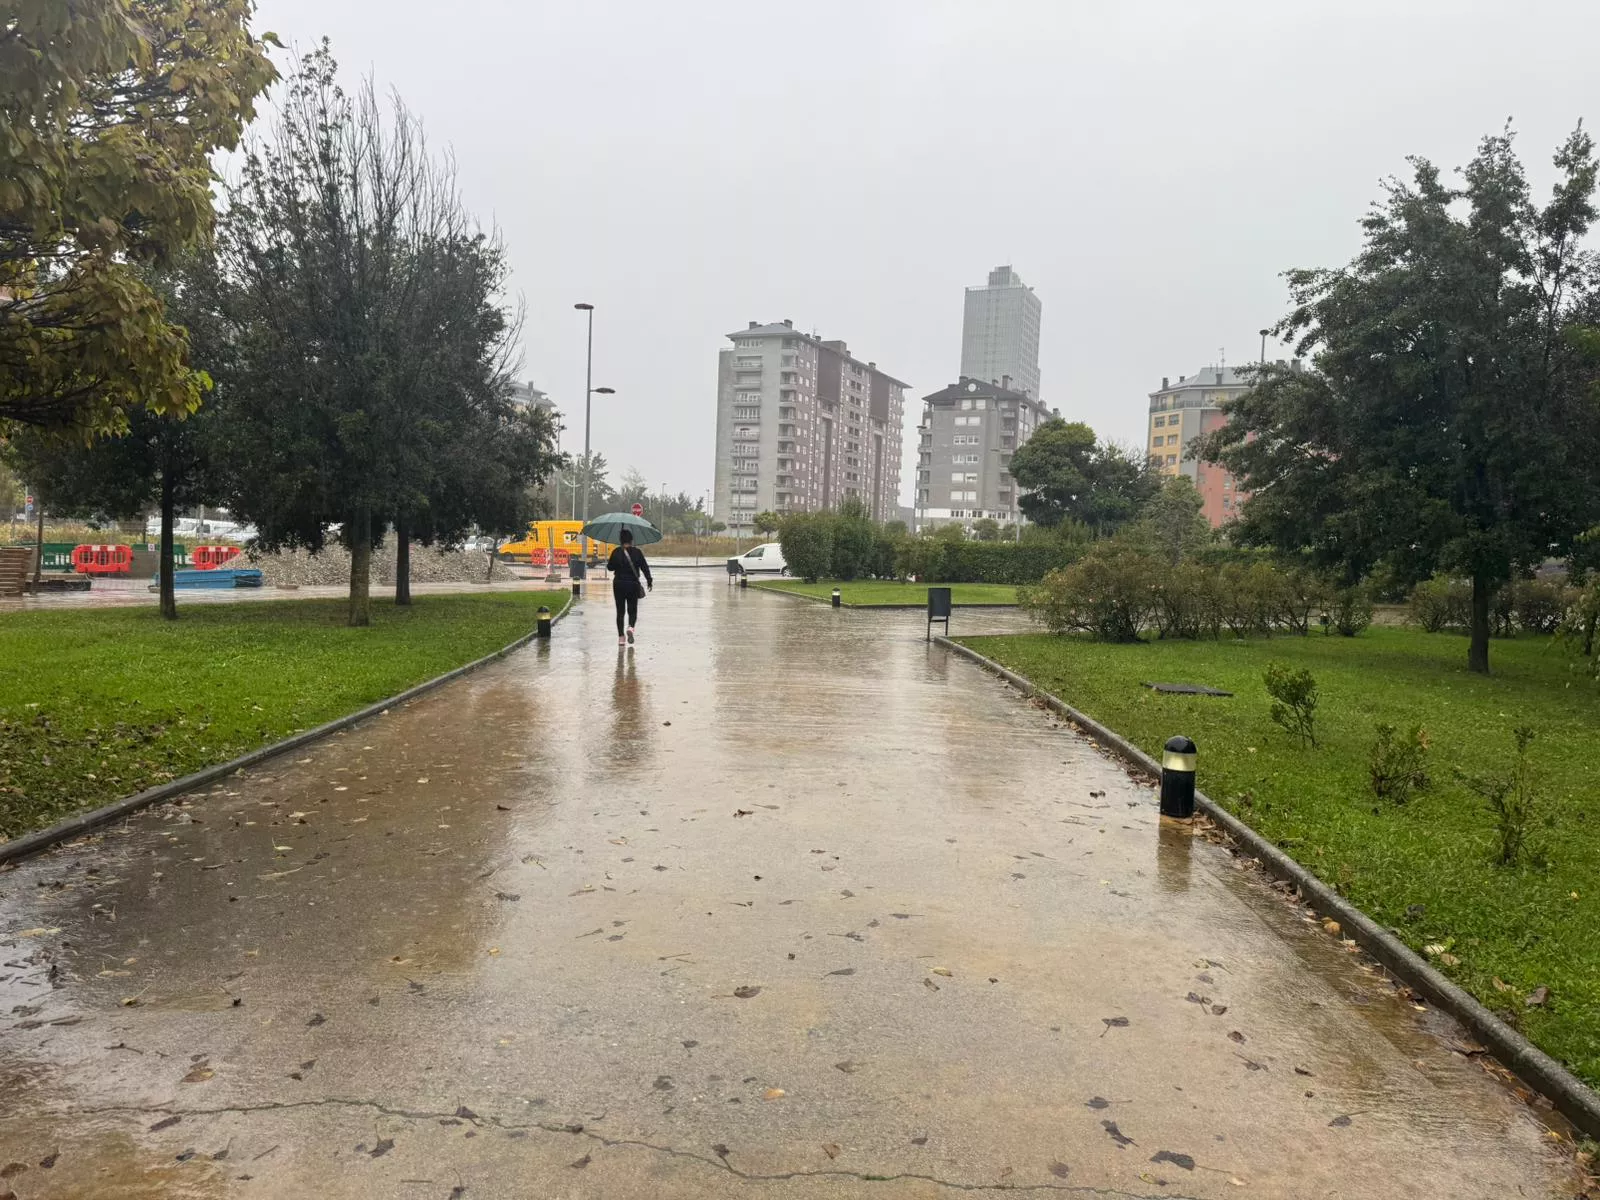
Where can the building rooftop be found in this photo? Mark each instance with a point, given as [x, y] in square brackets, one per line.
[966, 386]
[786, 329]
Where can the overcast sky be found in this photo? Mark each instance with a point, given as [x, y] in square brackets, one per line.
[1148, 168]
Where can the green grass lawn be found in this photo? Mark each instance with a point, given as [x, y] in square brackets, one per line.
[1426, 869]
[882, 593]
[98, 704]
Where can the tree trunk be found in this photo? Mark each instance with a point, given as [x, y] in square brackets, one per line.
[38, 549]
[360, 569]
[494, 553]
[402, 562]
[169, 600]
[1478, 646]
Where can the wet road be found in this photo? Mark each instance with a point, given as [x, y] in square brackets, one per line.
[782, 903]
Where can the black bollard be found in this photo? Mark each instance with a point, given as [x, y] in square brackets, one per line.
[744, 580]
[837, 600]
[575, 586]
[544, 622]
[1177, 778]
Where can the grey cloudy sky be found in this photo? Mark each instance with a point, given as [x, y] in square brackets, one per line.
[1149, 168]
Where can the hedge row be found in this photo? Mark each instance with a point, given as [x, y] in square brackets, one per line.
[845, 546]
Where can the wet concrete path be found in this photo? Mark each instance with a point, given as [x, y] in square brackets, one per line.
[782, 903]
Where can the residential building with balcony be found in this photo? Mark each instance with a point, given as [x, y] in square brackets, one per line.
[1000, 331]
[1183, 411]
[969, 432]
[801, 425]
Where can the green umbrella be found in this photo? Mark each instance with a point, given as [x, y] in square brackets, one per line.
[609, 529]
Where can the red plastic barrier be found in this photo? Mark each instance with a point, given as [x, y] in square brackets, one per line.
[102, 560]
[538, 556]
[209, 558]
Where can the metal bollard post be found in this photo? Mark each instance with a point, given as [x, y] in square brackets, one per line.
[544, 622]
[575, 586]
[836, 598]
[1177, 778]
[744, 580]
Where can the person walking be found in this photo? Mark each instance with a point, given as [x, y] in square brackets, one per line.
[630, 579]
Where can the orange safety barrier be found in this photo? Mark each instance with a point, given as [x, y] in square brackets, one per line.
[539, 556]
[102, 560]
[209, 558]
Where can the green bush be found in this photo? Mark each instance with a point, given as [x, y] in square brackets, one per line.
[935, 560]
[1541, 604]
[1110, 594]
[1351, 610]
[807, 541]
[1248, 596]
[1188, 602]
[1294, 701]
[1395, 765]
[1441, 603]
[1300, 594]
[854, 541]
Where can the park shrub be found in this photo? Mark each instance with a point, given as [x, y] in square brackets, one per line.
[1395, 765]
[1441, 603]
[854, 541]
[1511, 799]
[1109, 594]
[1248, 596]
[1350, 610]
[936, 560]
[1541, 604]
[1581, 624]
[1294, 701]
[807, 541]
[1301, 593]
[1188, 602]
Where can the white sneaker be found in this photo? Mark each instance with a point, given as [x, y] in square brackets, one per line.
[622, 641]
[630, 637]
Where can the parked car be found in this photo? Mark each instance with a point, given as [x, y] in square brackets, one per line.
[767, 557]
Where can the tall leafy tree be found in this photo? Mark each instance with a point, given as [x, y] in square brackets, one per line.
[1171, 526]
[1072, 476]
[110, 111]
[346, 245]
[165, 462]
[1446, 424]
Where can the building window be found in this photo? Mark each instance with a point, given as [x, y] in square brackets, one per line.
[1172, 460]
[1172, 439]
[1160, 421]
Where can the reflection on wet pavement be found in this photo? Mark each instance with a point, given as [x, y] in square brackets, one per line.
[782, 902]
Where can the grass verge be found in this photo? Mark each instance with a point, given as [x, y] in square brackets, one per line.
[889, 593]
[98, 704]
[1424, 869]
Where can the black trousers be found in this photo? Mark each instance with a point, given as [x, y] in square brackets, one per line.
[627, 606]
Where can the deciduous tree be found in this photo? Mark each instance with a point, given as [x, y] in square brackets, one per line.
[1447, 423]
[110, 111]
[1070, 475]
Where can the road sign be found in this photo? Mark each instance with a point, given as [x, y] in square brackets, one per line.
[638, 510]
[27, 508]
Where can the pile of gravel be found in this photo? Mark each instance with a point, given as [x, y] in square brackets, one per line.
[332, 566]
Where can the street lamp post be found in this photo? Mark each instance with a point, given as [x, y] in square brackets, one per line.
[1264, 333]
[589, 393]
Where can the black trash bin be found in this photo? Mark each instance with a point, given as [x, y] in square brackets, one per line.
[938, 609]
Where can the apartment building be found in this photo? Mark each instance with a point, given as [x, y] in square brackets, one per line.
[1183, 411]
[968, 433]
[1000, 331]
[801, 425]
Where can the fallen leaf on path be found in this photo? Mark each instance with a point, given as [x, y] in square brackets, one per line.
[1537, 997]
[1236, 1036]
[1060, 1170]
[744, 812]
[930, 985]
[1500, 985]
[37, 932]
[383, 1147]
[720, 1150]
[1339, 1122]
[831, 1150]
[945, 971]
[843, 971]
[198, 1074]
[1111, 1023]
[1331, 926]
[164, 1123]
[746, 992]
[1218, 1009]
[1449, 960]
[1116, 1134]
[129, 1002]
[49, 1160]
[774, 1094]
[848, 1067]
[494, 951]
[1097, 1102]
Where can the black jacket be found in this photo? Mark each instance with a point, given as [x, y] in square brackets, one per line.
[620, 573]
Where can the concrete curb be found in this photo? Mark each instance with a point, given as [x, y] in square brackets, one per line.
[1572, 1098]
[43, 839]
